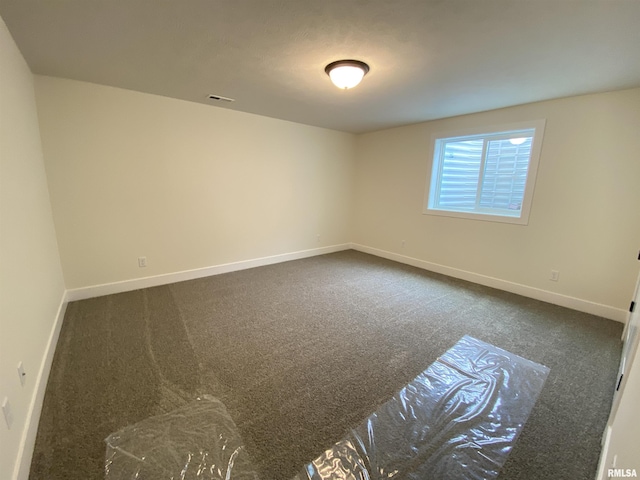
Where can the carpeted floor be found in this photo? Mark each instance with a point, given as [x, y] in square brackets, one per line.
[302, 351]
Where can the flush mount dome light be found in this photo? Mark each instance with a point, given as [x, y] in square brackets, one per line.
[346, 74]
[517, 141]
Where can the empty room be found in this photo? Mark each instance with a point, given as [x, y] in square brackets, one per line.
[319, 240]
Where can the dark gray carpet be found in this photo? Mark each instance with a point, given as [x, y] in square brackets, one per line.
[302, 351]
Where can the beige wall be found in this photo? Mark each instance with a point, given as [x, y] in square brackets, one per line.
[191, 186]
[31, 285]
[584, 217]
[184, 184]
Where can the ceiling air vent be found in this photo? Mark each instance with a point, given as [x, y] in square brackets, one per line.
[219, 98]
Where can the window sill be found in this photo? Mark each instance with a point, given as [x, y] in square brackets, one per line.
[484, 217]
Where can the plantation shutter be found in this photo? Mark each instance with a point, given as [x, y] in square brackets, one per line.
[505, 174]
[460, 173]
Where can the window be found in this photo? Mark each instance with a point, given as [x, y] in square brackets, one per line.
[486, 175]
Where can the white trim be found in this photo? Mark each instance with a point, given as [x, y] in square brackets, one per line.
[606, 439]
[164, 279]
[495, 128]
[28, 440]
[606, 311]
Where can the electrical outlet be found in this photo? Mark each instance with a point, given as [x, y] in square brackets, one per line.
[142, 262]
[8, 414]
[318, 238]
[21, 373]
[555, 275]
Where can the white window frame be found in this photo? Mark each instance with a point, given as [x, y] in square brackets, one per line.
[536, 147]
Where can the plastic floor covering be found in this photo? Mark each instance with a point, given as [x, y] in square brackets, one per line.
[459, 419]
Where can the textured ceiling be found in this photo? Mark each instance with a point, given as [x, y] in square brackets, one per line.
[429, 58]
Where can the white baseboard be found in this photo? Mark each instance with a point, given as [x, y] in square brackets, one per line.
[28, 440]
[573, 303]
[27, 443]
[138, 283]
[602, 462]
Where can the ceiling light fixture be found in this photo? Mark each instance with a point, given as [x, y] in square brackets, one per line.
[517, 141]
[346, 74]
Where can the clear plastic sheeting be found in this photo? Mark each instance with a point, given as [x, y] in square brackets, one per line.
[196, 442]
[459, 419]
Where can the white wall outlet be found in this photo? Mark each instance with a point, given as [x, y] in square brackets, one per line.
[6, 410]
[142, 262]
[318, 238]
[555, 275]
[22, 374]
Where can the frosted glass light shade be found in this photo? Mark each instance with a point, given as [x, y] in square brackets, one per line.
[517, 141]
[346, 74]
